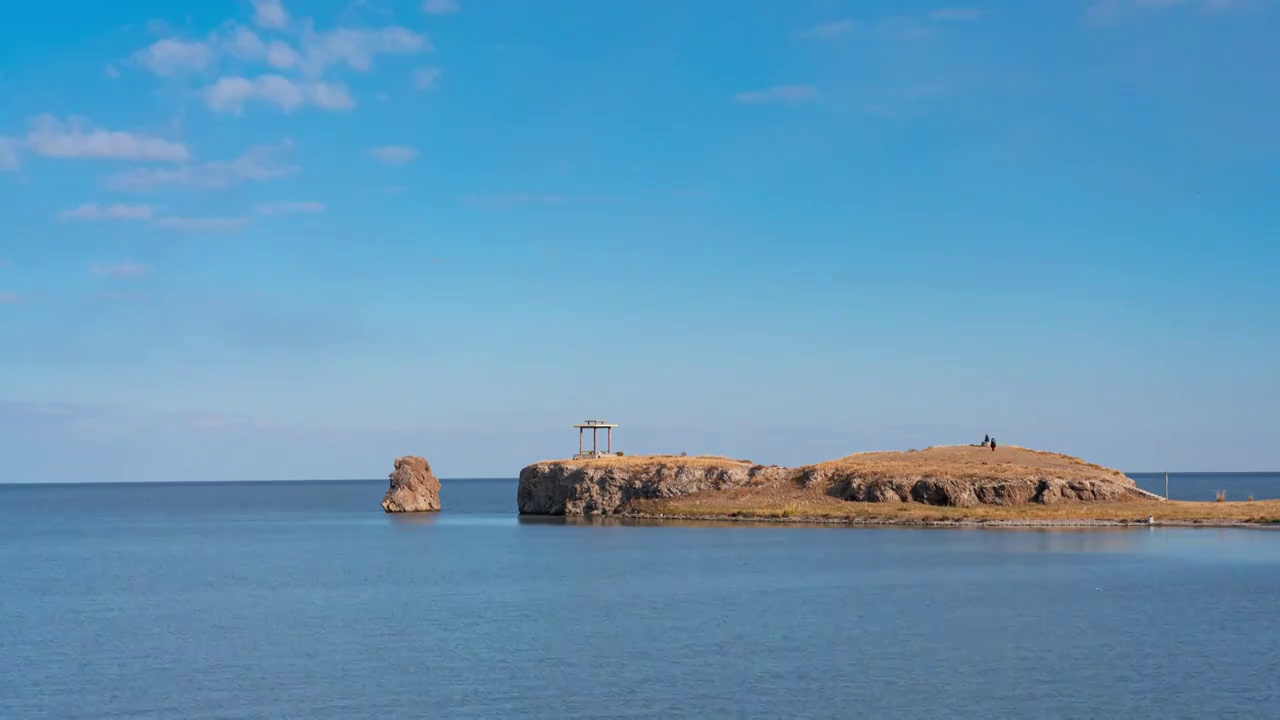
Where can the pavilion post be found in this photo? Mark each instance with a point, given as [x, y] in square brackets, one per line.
[579, 441]
[608, 435]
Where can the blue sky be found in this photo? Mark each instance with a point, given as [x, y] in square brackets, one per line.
[254, 240]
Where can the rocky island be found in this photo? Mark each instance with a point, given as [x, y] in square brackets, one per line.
[969, 484]
[413, 487]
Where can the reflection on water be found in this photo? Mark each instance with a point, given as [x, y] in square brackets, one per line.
[421, 518]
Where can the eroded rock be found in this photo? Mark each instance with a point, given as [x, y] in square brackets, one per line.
[596, 487]
[413, 487]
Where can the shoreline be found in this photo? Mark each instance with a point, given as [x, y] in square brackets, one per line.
[856, 521]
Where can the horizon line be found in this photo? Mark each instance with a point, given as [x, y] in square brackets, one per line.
[482, 478]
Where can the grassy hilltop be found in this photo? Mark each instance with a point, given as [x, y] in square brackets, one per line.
[952, 484]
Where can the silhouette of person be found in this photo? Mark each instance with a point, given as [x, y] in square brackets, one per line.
[986, 440]
[993, 444]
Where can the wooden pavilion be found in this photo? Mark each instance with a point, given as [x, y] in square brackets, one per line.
[595, 426]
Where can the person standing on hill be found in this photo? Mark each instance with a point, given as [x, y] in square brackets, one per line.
[993, 444]
[986, 440]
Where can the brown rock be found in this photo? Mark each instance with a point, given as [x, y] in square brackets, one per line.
[413, 487]
[956, 476]
[605, 486]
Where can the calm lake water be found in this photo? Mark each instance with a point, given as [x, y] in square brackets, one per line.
[1204, 486]
[303, 600]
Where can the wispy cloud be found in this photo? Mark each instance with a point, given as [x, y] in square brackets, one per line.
[231, 94]
[95, 211]
[120, 270]
[269, 14]
[778, 93]
[357, 47]
[171, 57]
[506, 201]
[955, 14]
[202, 225]
[830, 29]
[394, 154]
[1104, 12]
[9, 154]
[260, 162]
[75, 138]
[9, 297]
[425, 78]
[441, 7]
[289, 208]
[906, 28]
[111, 71]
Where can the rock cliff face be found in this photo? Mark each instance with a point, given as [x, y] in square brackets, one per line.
[966, 493]
[413, 487]
[958, 476]
[605, 486]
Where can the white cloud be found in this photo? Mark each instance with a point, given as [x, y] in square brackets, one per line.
[170, 57]
[51, 137]
[231, 94]
[778, 93]
[120, 270]
[257, 163]
[270, 14]
[357, 48]
[289, 208]
[280, 55]
[9, 153]
[955, 14]
[202, 225]
[9, 297]
[95, 211]
[111, 72]
[246, 45]
[826, 30]
[425, 78]
[440, 7]
[394, 154]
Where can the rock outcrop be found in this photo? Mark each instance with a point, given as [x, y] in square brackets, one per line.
[604, 486]
[413, 487]
[964, 476]
[959, 476]
[967, 493]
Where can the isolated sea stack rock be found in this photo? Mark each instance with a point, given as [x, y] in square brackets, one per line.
[413, 487]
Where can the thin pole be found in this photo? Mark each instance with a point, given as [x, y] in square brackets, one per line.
[609, 439]
[579, 441]
[1166, 484]
[594, 449]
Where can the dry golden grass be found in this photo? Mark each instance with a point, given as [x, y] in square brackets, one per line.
[652, 460]
[965, 462]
